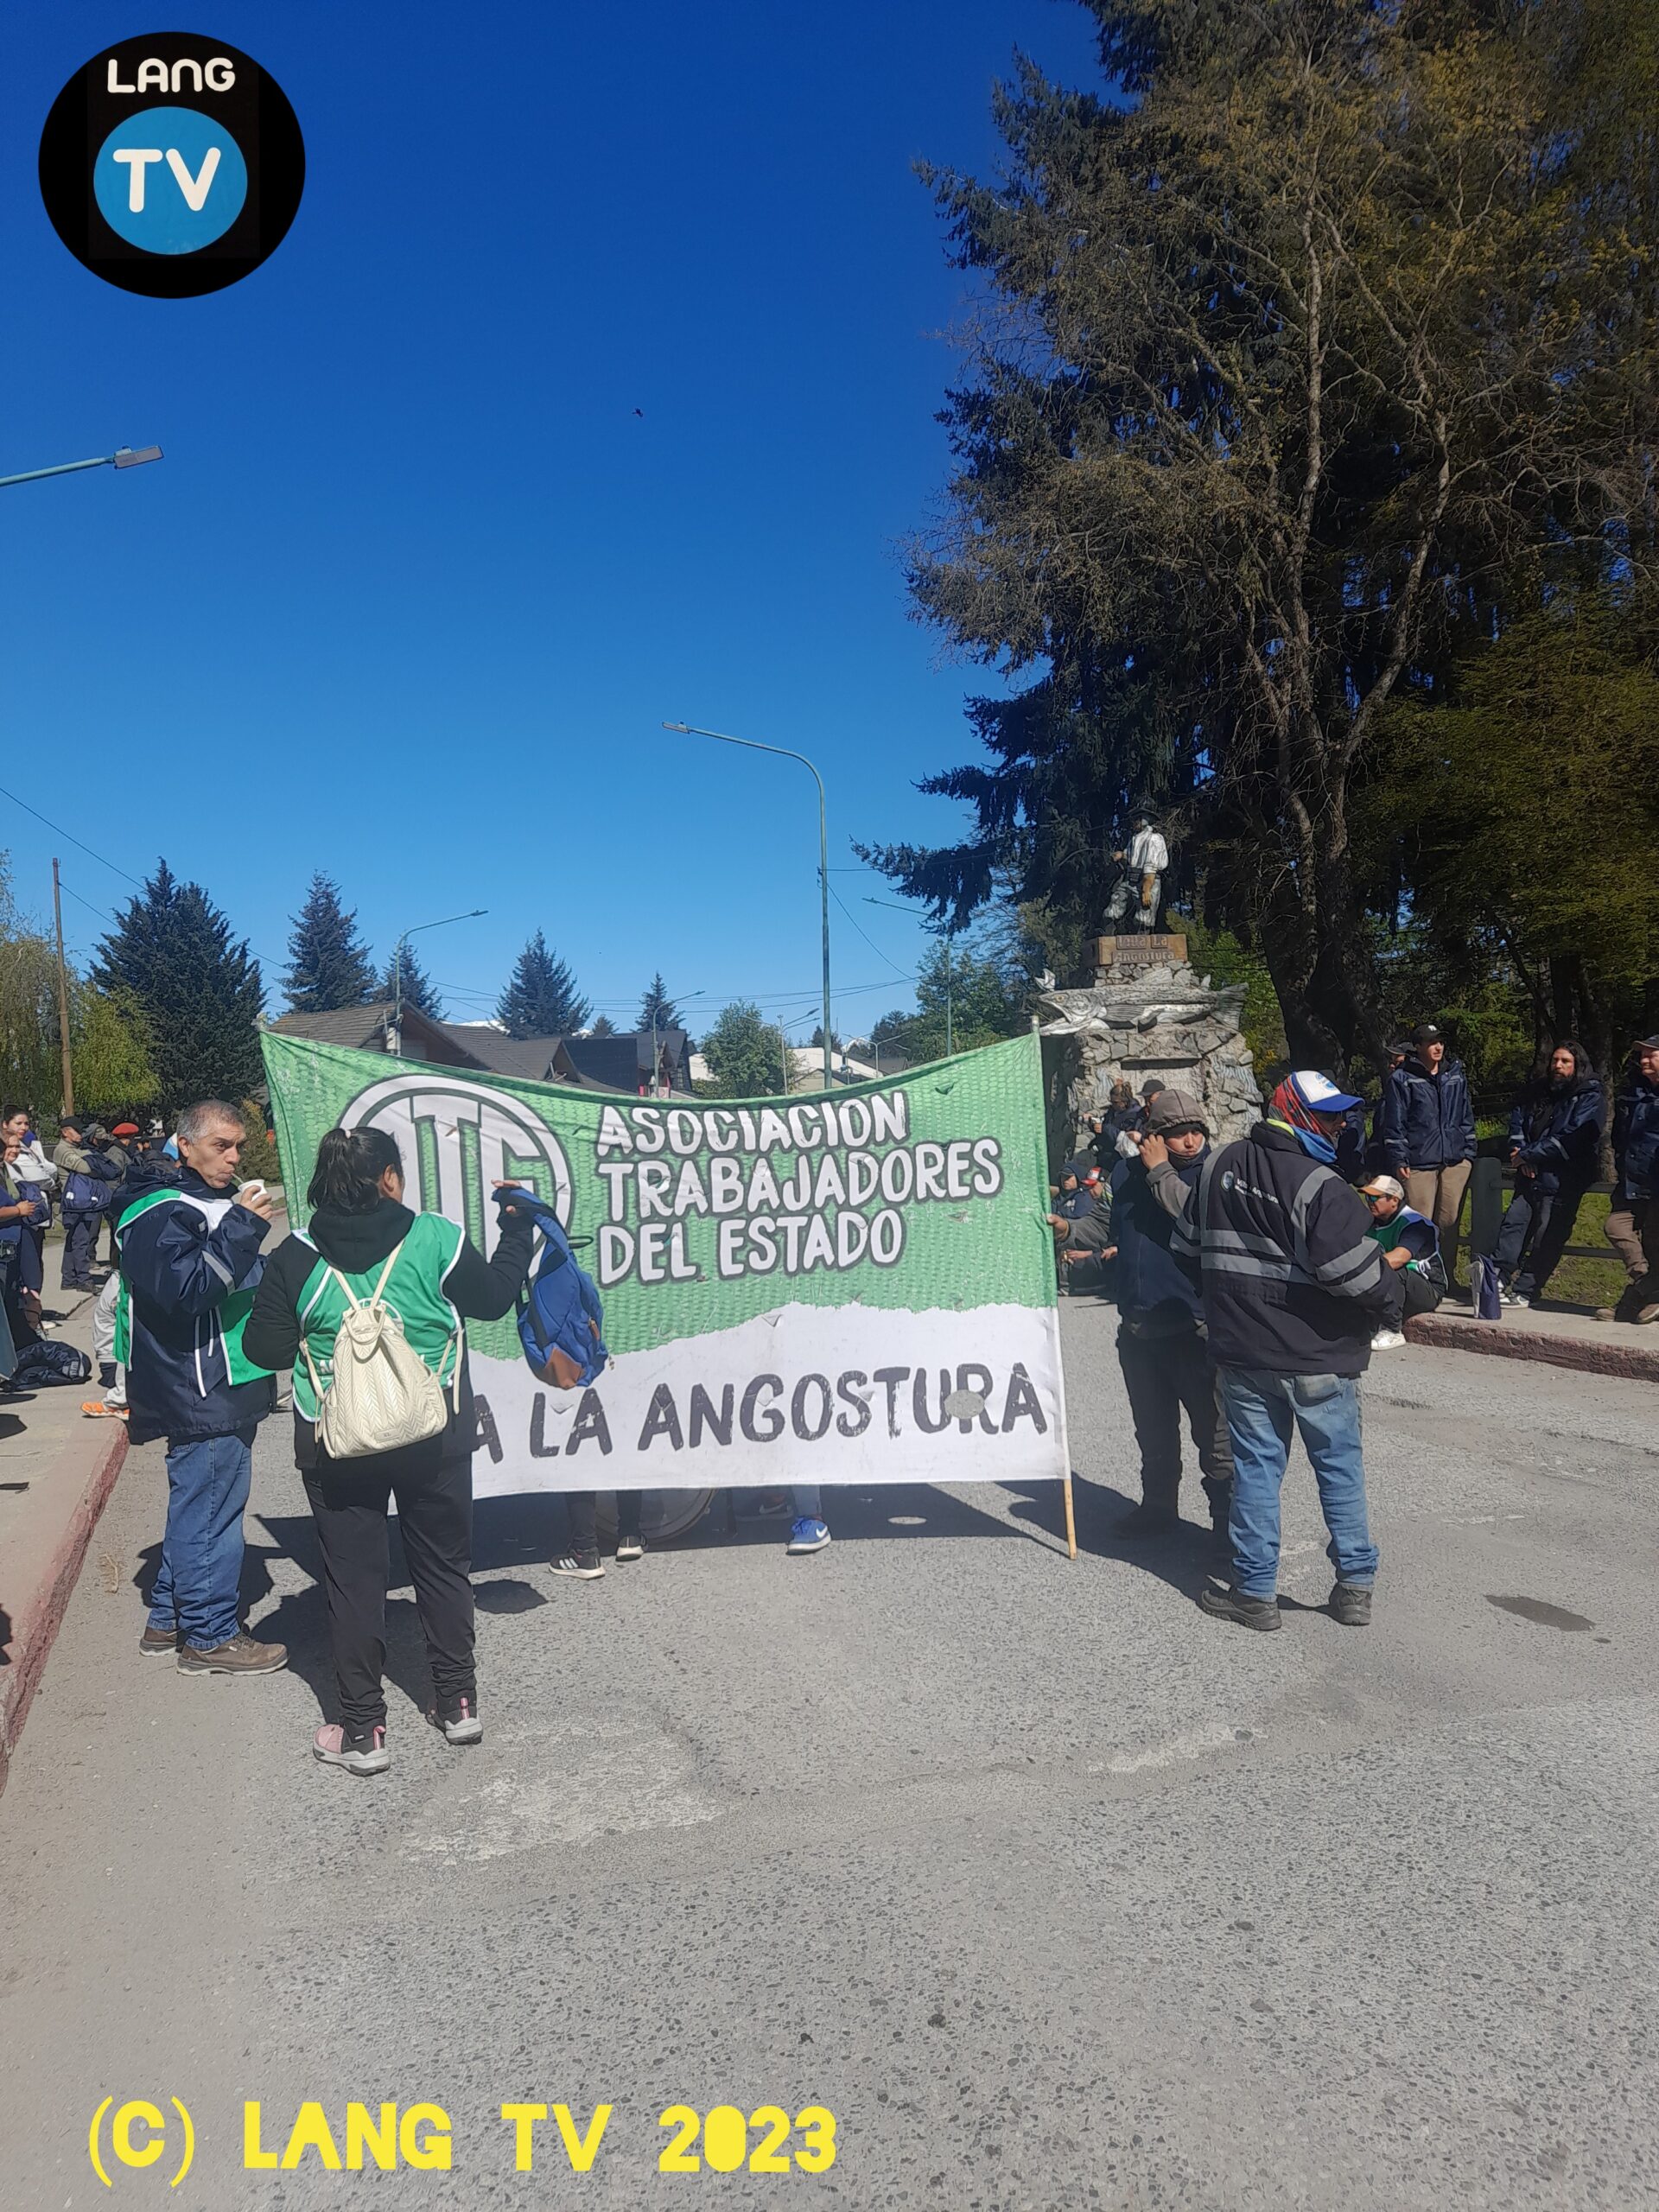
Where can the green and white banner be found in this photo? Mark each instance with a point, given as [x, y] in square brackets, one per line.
[855, 1288]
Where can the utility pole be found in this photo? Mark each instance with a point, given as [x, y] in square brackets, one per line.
[783, 1046]
[63, 996]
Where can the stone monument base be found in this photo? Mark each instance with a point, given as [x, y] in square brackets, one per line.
[1147, 1014]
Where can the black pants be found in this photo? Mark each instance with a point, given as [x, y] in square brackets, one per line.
[1421, 1296]
[1537, 1228]
[434, 1513]
[583, 1507]
[79, 1249]
[1165, 1376]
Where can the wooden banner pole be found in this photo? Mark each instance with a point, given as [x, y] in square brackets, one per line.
[1070, 1517]
[1066, 1442]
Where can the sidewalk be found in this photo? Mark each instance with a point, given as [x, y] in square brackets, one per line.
[57, 1469]
[1560, 1336]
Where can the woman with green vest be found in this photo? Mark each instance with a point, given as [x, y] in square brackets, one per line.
[361, 1243]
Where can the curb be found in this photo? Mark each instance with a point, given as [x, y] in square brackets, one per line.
[41, 1604]
[1636, 1364]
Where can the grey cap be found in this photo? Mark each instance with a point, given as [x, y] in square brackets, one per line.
[1175, 1110]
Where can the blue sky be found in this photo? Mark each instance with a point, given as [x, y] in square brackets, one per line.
[415, 586]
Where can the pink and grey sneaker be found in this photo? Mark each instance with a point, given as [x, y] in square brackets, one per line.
[457, 1718]
[359, 1751]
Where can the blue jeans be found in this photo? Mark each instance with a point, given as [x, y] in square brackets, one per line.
[199, 1577]
[809, 1502]
[1264, 1412]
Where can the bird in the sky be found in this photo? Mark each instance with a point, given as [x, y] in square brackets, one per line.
[641, 412]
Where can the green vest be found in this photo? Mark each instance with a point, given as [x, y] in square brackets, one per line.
[231, 1313]
[414, 1293]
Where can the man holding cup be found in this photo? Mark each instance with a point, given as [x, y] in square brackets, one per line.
[190, 1260]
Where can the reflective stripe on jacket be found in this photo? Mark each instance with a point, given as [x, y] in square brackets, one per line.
[1293, 1281]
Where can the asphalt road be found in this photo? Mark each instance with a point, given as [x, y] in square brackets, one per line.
[1055, 1891]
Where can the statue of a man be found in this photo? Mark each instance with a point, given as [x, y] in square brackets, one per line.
[1141, 883]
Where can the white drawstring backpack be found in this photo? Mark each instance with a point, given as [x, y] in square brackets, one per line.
[382, 1394]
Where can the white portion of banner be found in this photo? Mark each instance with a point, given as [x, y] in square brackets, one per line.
[805, 1394]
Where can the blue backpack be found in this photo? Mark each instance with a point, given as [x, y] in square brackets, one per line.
[86, 1194]
[560, 1316]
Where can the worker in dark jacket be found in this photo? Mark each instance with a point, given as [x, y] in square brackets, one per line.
[1554, 1145]
[362, 1242]
[1162, 1347]
[1427, 1132]
[189, 1262]
[87, 1174]
[1294, 1289]
[1633, 1217]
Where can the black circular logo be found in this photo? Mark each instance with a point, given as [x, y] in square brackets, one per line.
[171, 165]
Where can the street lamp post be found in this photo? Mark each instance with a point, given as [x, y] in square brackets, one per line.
[123, 457]
[691, 729]
[655, 1093]
[472, 914]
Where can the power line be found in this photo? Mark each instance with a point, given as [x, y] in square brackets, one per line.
[58, 829]
[864, 933]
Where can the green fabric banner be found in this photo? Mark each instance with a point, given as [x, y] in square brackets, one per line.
[851, 1288]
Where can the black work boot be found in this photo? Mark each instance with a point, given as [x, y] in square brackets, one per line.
[1149, 1518]
[1231, 1604]
[1351, 1605]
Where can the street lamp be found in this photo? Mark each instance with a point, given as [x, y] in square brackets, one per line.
[691, 729]
[946, 931]
[123, 457]
[471, 915]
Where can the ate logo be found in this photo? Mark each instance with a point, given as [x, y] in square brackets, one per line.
[171, 165]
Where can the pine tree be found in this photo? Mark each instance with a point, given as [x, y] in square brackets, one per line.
[603, 1026]
[330, 965]
[542, 999]
[197, 988]
[657, 1009]
[418, 988]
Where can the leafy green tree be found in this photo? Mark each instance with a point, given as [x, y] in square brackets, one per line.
[542, 999]
[1276, 381]
[112, 1052]
[329, 964]
[965, 999]
[418, 988]
[744, 1053]
[172, 955]
[1526, 808]
[657, 1007]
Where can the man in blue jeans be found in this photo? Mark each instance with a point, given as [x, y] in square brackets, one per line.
[1294, 1287]
[189, 1262]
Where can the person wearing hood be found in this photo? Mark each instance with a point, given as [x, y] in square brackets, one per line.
[1633, 1217]
[1294, 1288]
[1555, 1146]
[1162, 1344]
[363, 1243]
[1425, 1132]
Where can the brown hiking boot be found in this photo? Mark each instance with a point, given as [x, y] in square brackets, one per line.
[243, 1654]
[158, 1643]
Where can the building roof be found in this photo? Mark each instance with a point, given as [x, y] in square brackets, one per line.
[364, 1028]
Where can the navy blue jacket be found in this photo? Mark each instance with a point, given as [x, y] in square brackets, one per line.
[1425, 1120]
[1635, 1143]
[178, 1272]
[1559, 1132]
[1152, 1288]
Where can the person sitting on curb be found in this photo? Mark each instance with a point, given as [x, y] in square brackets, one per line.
[190, 1260]
[1633, 1216]
[1411, 1246]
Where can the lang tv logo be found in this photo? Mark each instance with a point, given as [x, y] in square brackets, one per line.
[171, 165]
